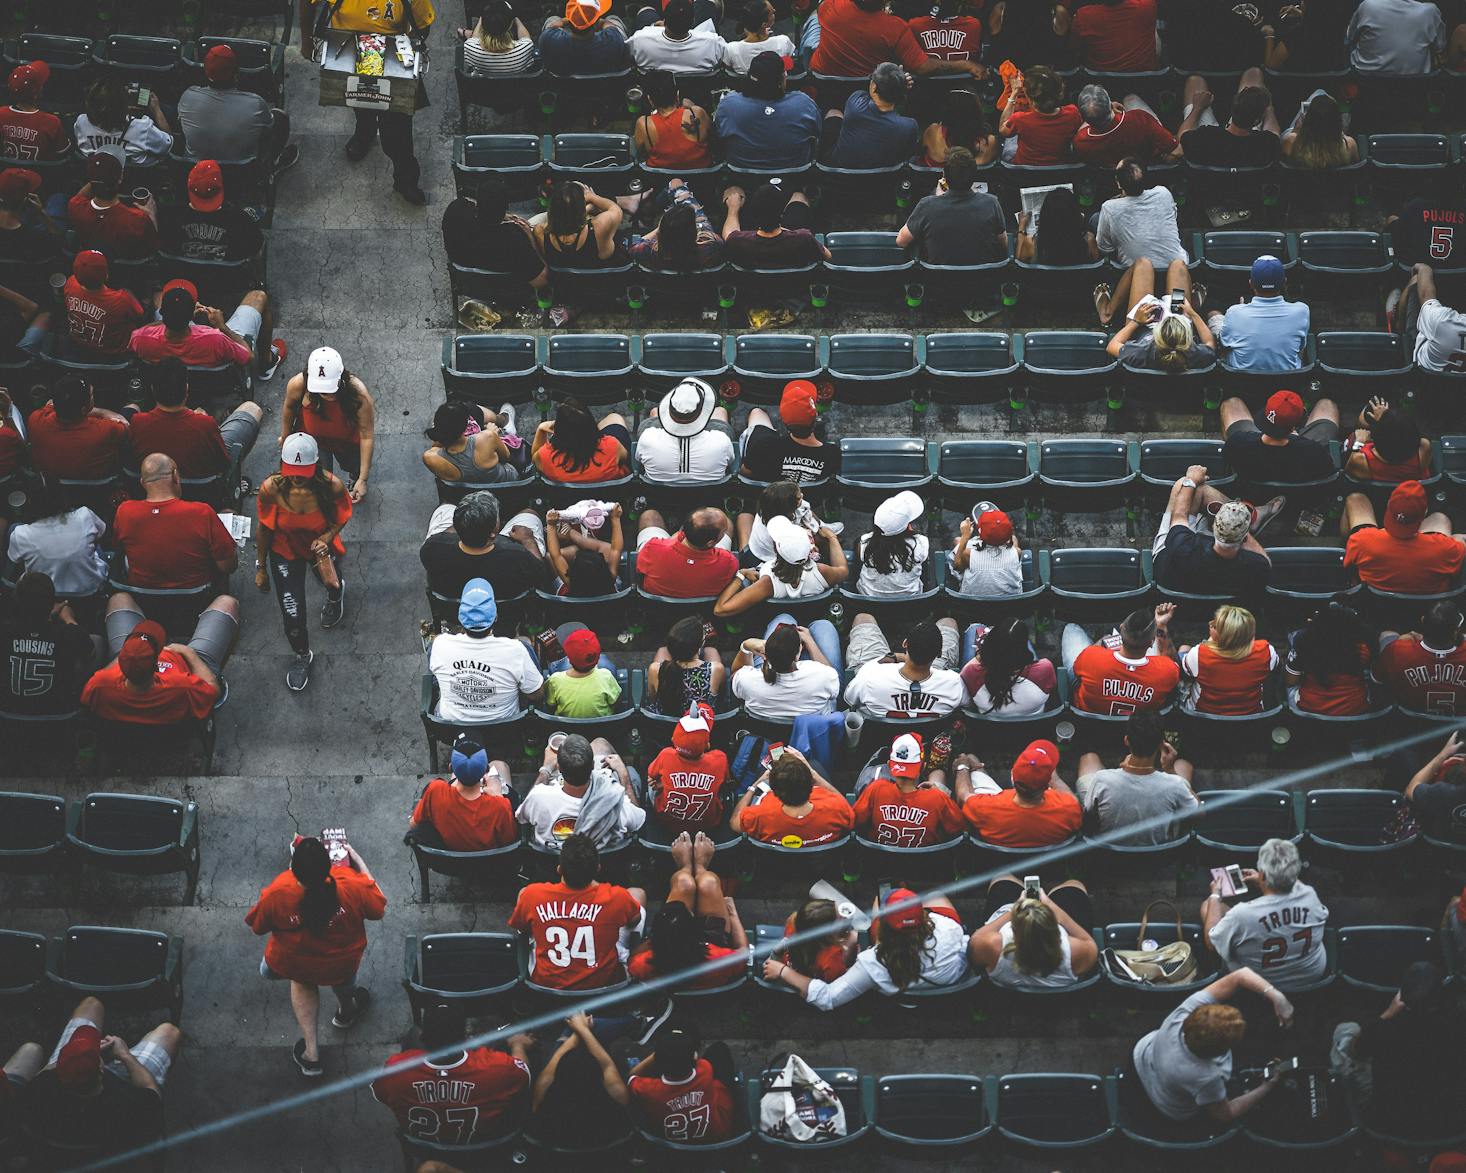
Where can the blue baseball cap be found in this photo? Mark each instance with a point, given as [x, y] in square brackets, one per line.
[470, 761]
[476, 607]
[1268, 273]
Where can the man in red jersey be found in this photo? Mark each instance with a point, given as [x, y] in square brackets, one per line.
[167, 542]
[693, 563]
[74, 438]
[685, 780]
[103, 222]
[1127, 672]
[1425, 671]
[1414, 552]
[899, 809]
[1038, 811]
[99, 319]
[153, 682]
[679, 1094]
[27, 132]
[453, 1096]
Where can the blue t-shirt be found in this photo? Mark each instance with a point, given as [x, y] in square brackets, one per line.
[1265, 334]
[871, 137]
[562, 52]
[758, 133]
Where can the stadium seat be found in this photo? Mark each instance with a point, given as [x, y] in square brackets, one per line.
[32, 833]
[775, 863]
[482, 366]
[1301, 493]
[873, 368]
[218, 282]
[605, 161]
[1305, 576]
[1352, 823]
[71, 63]
[763, 363]
[866, 260]
[1373, 958]
[565, 1152]
[1142, 1124]
[612, 727]
[932, 861]
[176, 608]
[1275, 1124]
[137, 834]
[990, 608]
[1407, 164]
[1001, 471]
[490, 865]
[1235, 823]
[126, 968]
[593, 90]
[1163, 462]
[663, 360]
[1094, 575]
[1012, 860]
[1068, 366]
[22, 965]
[1358, 364]
[502, 94]
[157, 62]
[764, 935]
[972, 367]
[261, 65]
[873, 468]
[1131, 934]
[1067, 286]
[469, 1158]
[595, 368]
[856, 1093]
[832, 90]
[1333, 260]
[1053, 1110]
[496, 287]
[497, 737]
[1226, 256]
[931, 1115]
[517, 159]
[474, 972]
[1086, 475]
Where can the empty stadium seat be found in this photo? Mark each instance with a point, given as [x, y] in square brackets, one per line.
[1001, 471]
[1309, 575]
[1237, 822]
[595, 368]
[933, 1114]
[1361, 364]
[873, 468]
[605, 161]
[1352, 822]
[1373, 958]
[1086, 475]
[1409, 162]
[873, 368]
[484, 366]
[473, 972]
[1226, 256]
[137, 834]
[1054, 1110]
[157, 62]
[972, 366]
[1362, 259]
[866, 260]
[22, 965]
[126, 968]
[1093, 574]
[665, 359]
[32, 833]
[1067, 366]
[1163, 462]
[517, 159]
[491, 864]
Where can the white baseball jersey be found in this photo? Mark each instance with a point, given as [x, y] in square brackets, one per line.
[1279, 936]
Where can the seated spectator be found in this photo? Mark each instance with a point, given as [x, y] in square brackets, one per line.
[585, 688]
[951, 31]
[798, 674]
[101, 221]
[72, 437]
[26, 130]
[216, 341]
[1038, 810]
[1327, 669]
[792, 805]
[1137, 223]
[1154, 338]
[586, 558]
[1250, 138]
[794, 572]
[1045, 132]
[763, 124]
[199, 446]
[1185, 1066]
[871, 131]
[580, 1092]
[47, 652]
[1247, 935]
[1228, 672]
[673, 44]
[1117, 36]
[797, 450]
[684, 239]
[679, 1092]
[687, 438]
[1401, 38]
[209, 227]
[987, 556]
[1118, 130]
[585, 41]
[782, 236]
[921, 945]
[27, 233]
[166, 542]
[469, 813]
[899, 807]
[961, 123]
[693, 563]
[1425, 671]
[490, 1088]
[1424, 231]
[1432, 331]
[482, 233]
[1127, 672]
[825, 958]
[578, 908]
[1281, 447]
[1150, 785]
[756, 23]
[1035, 943]
[61, 542]
[1437, 792]
[468, 446]
[696, 924]
[482, 678]
[674, 132]
[582, 786]
[22, 328]
[921, 681]
[575, 448]
[152, 682]
[781, 499]
[580, 228]
[1316, 140]
[141, 136]
[1229, 560]
[221, 121]
[475, 547]
[1415, 552]
[1060, 235]
[849, 38]
[1002, 675]
[685, 780]
[956, 225]
[99, 319]
[893, 554]
[1387, 446]
[1265, 333]
[498, 45]
[687, 670]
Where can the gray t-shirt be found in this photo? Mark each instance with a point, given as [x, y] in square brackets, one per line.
[1118, 799]
[223, 124]
[957, 229]
[1132, 227]
[1140, 353]
[1179, 1083]
[1280, 936]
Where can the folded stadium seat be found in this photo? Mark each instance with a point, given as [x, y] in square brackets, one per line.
[962, 286]
[1069, 366]
[1359, 364]
[1406, 165]
[261, 65]
[664, 360]
[1255, 189]
[855, 1091]
[1348, 827]
[1276, 1124]
[22, 965]
[873, 468]
[594, 368]
[599, 91]
[156, 62]
[32, 833]
[974, 366]
[1238, 822]
[612, 727]
[1451, 457]
[491, 865]
[71, 64]
[605, 161]
[473, 972]
[697, 1154]
[1144, 1125]
[763, 363]
[1086, 475]
[500, 738]
[128, 969]
[480, 367]
[138, 835]
[1095, 576]
[503, 95]
[480, 1155]
[753, 288]
[1373, 958]
[1226, 258]
[1333, 261]
[1133, 935]
[1000, 471]
[517, 159]
[1163, 462]
[865, 261]
[1052, 1110]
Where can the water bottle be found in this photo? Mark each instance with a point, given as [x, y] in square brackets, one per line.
[903, 194]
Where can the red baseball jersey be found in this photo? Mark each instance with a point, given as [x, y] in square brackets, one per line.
[576, 932]
[1107, 682]
[459, 1103]
[689, 789]
[698, 1108]
[918, 818]
[1422, 678]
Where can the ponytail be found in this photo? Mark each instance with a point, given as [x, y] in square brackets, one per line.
[311, 866]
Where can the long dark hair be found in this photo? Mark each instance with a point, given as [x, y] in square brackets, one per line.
[1328, 644]
[677, 238]
[566, 213]
[1003, 654]
[346, 394]
[676, 938]
[107, 103]
[1061, 228]
[319, 483]
[684, 642]
[791, 574]
[312, 867]
[576, 435]
[587, 576]
[963, 121]
[889, 553]
[781, 651]
[811, 915]
[900, 950]
[778, 499]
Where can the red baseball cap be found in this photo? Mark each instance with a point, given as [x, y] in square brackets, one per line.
[138, 658]
[1406, 509]
[16, 183]
[994, 527]
[90, 268]
[906, 756]
[206, 187]
[27, 81]
[188, 287]
[797, 404]
[220, 64]
[1036, 765]
[582, 648]
[80, 1060]
[1283, 413]
[907, 918]
[694, 730]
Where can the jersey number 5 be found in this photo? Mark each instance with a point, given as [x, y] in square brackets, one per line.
[562, 948]
[1442, 237]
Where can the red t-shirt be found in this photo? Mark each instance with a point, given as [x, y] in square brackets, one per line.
[604, 465]
[466, 824]
[190, 437]
[768, 822]
[917, 818]
[1106, 682]
[1132, 133]
[171, 543]
[829, 962]
[853, 41]
[204, 346]
[100, 319]
[176, 695]
[124, 233]
[642, 967]
[1342, 696]
[1231, 687]
[1044, 139]
[85, 450]
[957, 39]
[29, 135]
[475, 1098]
[12, 449]
[1118, 38]
[575, 932]
[698, 1108]
[329, 958]
[1422, 678]
[689, 789]
[999, 819]
[1425, 564]
[670, 567]
[1382, 470]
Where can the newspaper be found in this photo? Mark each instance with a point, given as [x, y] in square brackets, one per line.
[1033, 202]
[238, 526]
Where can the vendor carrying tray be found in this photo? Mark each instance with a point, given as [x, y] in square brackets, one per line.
[398, 91]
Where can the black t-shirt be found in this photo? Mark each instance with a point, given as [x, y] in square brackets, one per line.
[230, 234]
[1441, 809]
[1213, 146]
[792, 248]
[1430, 232]
[504, 247]
[771, 455]
[43, 666]
[1189, 562]
[508, 566]
[121, 1117]
[1419, 1066]
[1295, 462]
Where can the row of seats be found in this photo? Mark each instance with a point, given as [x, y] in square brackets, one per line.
[130, 969]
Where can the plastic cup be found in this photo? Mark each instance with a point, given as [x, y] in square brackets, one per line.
[1010, 294]
[915, 294]
[819, 296]
[727, 295]
[635, 297]
[141, 195]
[1064, 732]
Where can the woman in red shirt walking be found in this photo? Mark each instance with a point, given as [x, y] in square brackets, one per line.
[316, 913]
[329, 403]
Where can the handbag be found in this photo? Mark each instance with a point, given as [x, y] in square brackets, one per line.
[1165, 965]
[799, 1105]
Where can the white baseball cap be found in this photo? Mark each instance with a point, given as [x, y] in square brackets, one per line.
[791, 542]
[894, 514]
[299, 455]
[323, 371]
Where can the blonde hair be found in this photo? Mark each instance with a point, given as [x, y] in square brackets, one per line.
[1036, 946]
[1233, 631]
[1173, 337]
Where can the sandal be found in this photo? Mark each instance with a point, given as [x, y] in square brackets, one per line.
[1198, 296]
[1103, 291]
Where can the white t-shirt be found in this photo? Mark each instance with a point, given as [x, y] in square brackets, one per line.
[1440, 344]
[1395, 36]
[141, 141]
[480, 679]
[1008, 973]
[810, 688]
[65, 548]
[811, 582]
[879, 690]
[739, 55]
[1179, 1083]
[1028, 699]
[943, 963]
[700, 52]
[1280, 936]
[661, 456]
[550, 813]
[992, 571]
[903, 582]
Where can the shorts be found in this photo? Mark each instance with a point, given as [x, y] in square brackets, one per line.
[1074, 901]
[620, 433]
[154, 1059]
[239, 431]
[1160, 535]
[270, 975]
[32, 341]
[868, 643]
[212, 638]
[247, 323]
[1324, 431]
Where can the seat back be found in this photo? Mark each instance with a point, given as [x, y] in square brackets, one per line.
[1095, 572]
[22, 962]
[1235, 250]
[869, 252]
[1243, 821]
[1067, 352]
[588, 356]
[464, 964]
[129, 824]
[1350, 818]
[605, 160]
[872, 356]
[1084, 461]
[1058, 1110]
[970, 354]
[1314, 572]
[931, 1110]
[1344, 252]
[32, 830]
[1375, 957]
[1163, 462]
[105, 958]
[984, 464]
[883, 461]
[777, 357]
[1409, 151]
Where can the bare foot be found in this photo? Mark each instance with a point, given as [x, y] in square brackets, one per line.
[682, 850]
[702, 850]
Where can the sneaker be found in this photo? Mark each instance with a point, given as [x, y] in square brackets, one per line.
[289, 157]
[299, 674]
[310, 1068]
[356, 148]
[413, 194]
[835, 527]
[278, 351]
[508, 419]
[652, 1023]
[1262, 515]
[346, 1019]
[333, 609]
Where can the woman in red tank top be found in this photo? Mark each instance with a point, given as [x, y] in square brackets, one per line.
[1387, 446]
[1227, 674]
[329, 403]
[675, 134]
[962, 123]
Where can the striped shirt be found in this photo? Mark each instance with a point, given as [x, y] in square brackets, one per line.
[487, 63]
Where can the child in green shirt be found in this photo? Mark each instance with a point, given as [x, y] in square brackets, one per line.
[584, 689]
